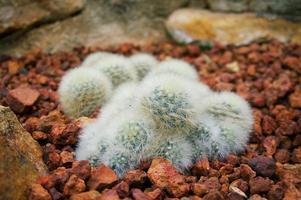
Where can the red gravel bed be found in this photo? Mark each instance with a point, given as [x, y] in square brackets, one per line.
[265, 74]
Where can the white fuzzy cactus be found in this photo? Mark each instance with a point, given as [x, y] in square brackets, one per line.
[131, 134]
[172, 147]
[93, 58]
[143, 63]
[82, 91]
[227, 118]
[169, 100]
[117, 68]
[175, 66]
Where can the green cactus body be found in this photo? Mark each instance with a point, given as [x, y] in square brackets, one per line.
[92, 59]
[176, 149]
[130, 136]
[143, 63]
[121, 161]
[82, 91]
[133, 136]
[168, 108]
[118, 69]
[96, 157]
[175, 66]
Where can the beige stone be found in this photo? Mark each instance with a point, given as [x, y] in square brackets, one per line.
[20, 158]
[186, 25]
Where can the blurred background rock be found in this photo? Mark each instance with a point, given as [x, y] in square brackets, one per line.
[56, 25]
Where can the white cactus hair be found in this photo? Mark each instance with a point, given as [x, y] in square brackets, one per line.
[117, 68]
[175, 66]
[169, 113]
[93, 58]
[143, 63]
[131, 133]
[230, 120]
[82, 91]
[174, 148]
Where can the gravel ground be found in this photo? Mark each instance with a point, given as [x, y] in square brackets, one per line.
[265, 74]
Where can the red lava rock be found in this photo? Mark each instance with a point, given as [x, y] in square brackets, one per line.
[293, 63]
[259, 184]
[295, 99]
[268, 124]
[54, 118]
[53, 161]
[123, 189]
[81, 168]
[289, 173]
[246, 172]
[190, 179]
[90, 195]
[135, 178]
[256, 197]
[102, 177]
[154, 194]
[37, 192]
[264, 166]
[109, 195]
[296, 156]
[67, 158]
[234, 196]
[282, 156]
[199, 189]
[31, 124]
[240, 184]
[164, 175]
[201, 168]
[56, 195]
[270, 144]
[22, 98]
[65, 135]
[139, 195]
[39, 135]
[213, 183]
[213, 195]
[13, 67]
[74, 185]
[276, 192]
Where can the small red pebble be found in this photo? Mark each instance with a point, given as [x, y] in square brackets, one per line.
[74, 185]
[102, 177]
[37, 192]
[139, 195]
[22, 98]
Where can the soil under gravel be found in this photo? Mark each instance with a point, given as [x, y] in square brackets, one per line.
[265, 74]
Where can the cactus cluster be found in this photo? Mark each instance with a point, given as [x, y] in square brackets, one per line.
[169, 114]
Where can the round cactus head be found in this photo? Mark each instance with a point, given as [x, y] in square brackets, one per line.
[123, 99]
[229, 119]
[82, 91]
[175, 66]
[176, 149]
[143, 63]
[229, 108]
[169, 100]
[131, 133]
[93, 58]
[117, 68]
[93, 143]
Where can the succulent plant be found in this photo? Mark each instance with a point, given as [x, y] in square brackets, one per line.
[169, 100]
[131, 135]
[93, 58]
[117, 68]
[143, 63]
[175, 66]
[82, 91]
[174, 148]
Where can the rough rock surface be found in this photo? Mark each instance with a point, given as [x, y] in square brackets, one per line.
[20, 14]
[137, 22]
[20, 155]
[187, 25]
